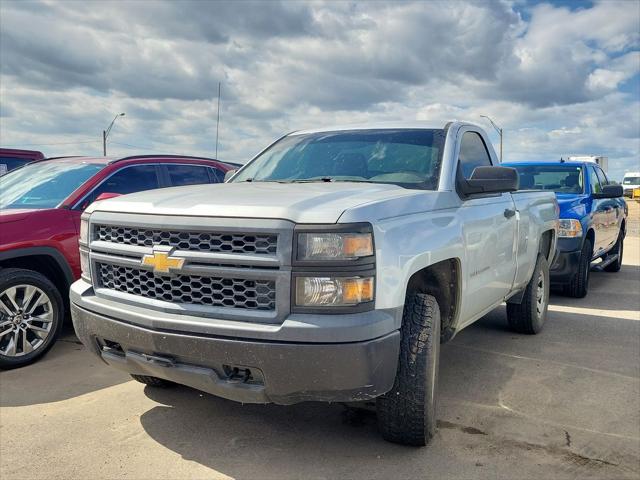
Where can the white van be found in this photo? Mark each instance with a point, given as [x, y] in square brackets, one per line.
[630, 181]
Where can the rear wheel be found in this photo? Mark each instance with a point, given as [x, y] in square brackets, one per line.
[579, 284]
[529, 315]
[152, 381]
[617, 249]
[31, 314]
[407, 413]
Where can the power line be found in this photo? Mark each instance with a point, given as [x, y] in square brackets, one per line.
[129, 145]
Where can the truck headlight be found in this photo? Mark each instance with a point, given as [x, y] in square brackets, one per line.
[334, 246]
[569, 228]
[85, 266]
[333, 291]
[84, 230]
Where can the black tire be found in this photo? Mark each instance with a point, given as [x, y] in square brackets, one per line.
[579, 284]
[617, 249]
[17, 277]
[407, 413]
[529, 316]
[152, 381]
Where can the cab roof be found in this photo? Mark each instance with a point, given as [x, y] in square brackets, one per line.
[551, 162]
[395, 125]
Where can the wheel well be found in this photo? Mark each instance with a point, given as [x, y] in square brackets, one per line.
[44, 264]
[442, 280]
[545, 244]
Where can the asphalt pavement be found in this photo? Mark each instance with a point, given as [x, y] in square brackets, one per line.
[562, 404]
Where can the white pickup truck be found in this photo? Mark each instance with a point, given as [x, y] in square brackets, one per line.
[329, 268]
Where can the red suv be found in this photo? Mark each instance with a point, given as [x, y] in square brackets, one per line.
[11, 158]
[40, 208]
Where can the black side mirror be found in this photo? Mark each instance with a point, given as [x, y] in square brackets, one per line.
[229, 173]
[490, 180]
[610, 191]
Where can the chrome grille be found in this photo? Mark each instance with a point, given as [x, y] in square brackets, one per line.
[190, 289]
[188, 240]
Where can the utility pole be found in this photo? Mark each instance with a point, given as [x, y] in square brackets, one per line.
[105, 134]
[218, 122]
[498, 129]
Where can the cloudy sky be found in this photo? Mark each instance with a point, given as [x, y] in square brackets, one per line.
[560, 77]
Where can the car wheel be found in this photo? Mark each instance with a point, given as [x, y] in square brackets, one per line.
[529, 315]
[31, 314]
[407, 413]
[619, 250]
[579, 284]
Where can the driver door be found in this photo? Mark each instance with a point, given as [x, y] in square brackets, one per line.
[489, 223]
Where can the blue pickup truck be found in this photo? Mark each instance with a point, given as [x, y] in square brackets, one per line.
[593, 218]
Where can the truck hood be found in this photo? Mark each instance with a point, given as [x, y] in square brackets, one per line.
[572, 205]
[298, 202]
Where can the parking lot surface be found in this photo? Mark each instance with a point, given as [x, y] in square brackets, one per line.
[562, 404]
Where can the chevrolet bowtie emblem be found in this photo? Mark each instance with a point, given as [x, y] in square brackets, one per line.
[162, 261]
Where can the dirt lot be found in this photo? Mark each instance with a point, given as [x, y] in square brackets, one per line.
[563, 404]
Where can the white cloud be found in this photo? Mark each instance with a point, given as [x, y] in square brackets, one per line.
[558, 81]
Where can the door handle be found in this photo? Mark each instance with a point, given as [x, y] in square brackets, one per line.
[508, 212]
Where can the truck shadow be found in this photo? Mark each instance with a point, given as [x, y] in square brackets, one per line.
[607, 291]
[480, 369]
[66, 371]
[306, 438]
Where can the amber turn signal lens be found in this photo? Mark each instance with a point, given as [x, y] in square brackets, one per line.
[333, 291]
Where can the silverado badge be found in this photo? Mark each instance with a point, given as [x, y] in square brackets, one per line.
[162, 261]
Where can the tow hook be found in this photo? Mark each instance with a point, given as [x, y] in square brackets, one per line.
[160, 361]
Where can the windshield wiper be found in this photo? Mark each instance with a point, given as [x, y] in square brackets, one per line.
[309, 180]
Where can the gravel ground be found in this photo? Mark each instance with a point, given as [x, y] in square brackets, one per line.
[562, 404]
[633, 228]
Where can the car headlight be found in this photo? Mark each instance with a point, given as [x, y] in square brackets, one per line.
[334, 246]
[569, 228]
[333, 291]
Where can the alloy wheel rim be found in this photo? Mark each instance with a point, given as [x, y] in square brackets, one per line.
[540, 295]
[26, 320]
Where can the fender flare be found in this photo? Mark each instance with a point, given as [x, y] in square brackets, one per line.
[54, 253]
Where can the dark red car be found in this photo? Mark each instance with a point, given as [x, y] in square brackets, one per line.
[11, 158]
[40, 208]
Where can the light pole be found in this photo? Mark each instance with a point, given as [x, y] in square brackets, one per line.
[498, 129]
[105, 134]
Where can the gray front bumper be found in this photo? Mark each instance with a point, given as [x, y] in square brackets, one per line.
[283, 373]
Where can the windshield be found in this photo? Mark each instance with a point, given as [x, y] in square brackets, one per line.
[631, 181]
[43, 184]
[558, 178]
[409, 158]
[9, 163]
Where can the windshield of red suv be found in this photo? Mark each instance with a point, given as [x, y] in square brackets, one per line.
[407, 157]
[42, 185]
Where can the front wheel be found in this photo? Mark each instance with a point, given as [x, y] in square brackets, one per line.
[152, 381]
[407, 413]
[529, 315]
[31, 313]
[579, 284]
